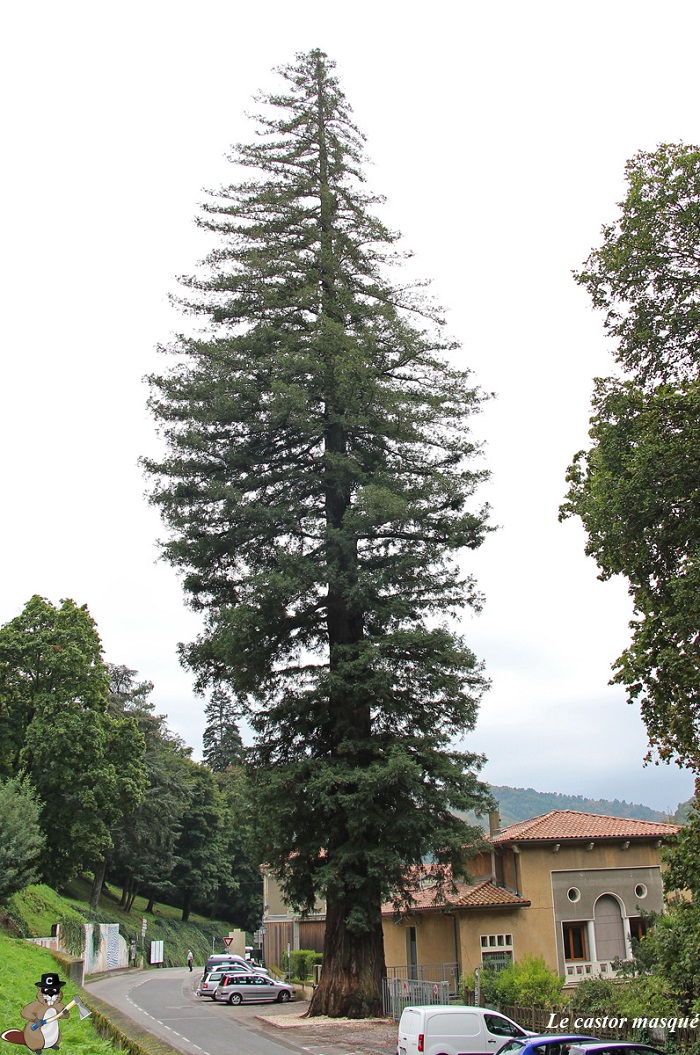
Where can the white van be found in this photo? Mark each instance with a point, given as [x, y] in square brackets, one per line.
[436, 1029]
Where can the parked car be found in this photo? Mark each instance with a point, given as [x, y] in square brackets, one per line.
[544, 1044]
[438, 1029]
[209, 982]
[251, 988]
[613, 1047]
[226, 960]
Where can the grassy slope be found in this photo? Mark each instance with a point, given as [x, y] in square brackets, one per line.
[22, 966]
[37, 908]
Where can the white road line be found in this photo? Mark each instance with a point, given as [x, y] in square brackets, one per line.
[162, 1024]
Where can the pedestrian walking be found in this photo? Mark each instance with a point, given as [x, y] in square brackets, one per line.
[190, 957]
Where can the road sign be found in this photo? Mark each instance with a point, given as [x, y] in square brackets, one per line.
[227, 942]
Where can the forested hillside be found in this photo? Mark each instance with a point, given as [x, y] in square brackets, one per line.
[518, 804]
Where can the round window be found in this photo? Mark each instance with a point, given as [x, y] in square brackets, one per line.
[640, 890]
[573, 893]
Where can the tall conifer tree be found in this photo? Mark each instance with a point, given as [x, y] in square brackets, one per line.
[317, 482]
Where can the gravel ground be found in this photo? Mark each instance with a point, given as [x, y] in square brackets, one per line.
[365, 1036]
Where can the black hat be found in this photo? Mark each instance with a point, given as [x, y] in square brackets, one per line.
[50, 983]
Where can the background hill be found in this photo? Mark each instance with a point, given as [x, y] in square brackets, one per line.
[519, 804]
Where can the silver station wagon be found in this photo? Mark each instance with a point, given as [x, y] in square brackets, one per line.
[251, 989]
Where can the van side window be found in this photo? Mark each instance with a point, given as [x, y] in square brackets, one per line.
[502, 1027]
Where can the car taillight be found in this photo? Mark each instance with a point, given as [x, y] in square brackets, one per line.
[421, 1041]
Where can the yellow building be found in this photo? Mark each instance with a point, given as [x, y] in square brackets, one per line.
[567, 886]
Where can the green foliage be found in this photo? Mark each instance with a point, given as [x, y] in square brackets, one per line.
[299, 963]
[318, 486]
[222, 743]
[523, 983]
[55, 727]
[144, 840]
[645, 274]
[21, 838]
[636, 489]
[642, 996]
[240, 891]
[671, 950]
[519, 804]
[22, 964]
[37, 908]
[73, 934]
[200, 864]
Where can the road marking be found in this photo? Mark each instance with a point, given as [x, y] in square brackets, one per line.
[163, 1025]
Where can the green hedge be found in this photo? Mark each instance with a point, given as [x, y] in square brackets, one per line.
[301, 963]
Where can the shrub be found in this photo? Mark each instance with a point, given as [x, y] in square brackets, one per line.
[526, 983]
[299, 964]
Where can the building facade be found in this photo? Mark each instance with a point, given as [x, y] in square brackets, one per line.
[570, 887]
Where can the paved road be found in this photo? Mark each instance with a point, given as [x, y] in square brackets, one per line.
[164, 1003]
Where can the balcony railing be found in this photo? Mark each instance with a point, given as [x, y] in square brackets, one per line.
[577, 971]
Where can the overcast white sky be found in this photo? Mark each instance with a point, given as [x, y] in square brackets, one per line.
[499, 133]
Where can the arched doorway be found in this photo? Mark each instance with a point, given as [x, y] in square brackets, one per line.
[609, 929]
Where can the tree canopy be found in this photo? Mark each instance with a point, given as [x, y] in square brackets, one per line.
[55, 728]
[637, 488]
[318, 484]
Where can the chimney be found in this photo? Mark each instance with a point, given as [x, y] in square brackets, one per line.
[494, 822]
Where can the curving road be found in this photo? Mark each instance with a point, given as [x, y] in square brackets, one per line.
[164, 1003]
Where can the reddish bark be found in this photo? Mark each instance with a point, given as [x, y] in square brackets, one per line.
[353, 968]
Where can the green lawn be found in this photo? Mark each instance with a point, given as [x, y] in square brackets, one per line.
[37, 908]
[22, 966]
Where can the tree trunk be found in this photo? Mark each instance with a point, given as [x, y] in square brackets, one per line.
[126, 890]
[353, 968]
[132, 895]
[151, 904]
[97, 883]
[186, 906]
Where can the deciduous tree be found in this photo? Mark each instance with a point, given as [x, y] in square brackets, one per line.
[318, 482]
[55, 727]
[637, 488]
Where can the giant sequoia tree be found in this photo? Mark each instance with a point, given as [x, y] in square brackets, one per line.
[637, 489]
[317, 482]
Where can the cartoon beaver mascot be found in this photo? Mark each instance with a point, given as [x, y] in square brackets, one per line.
[42, 1016]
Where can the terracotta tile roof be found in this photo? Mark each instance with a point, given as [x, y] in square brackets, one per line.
[559, 825]
[482, 894]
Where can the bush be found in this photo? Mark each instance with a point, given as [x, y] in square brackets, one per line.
[301, 963]
[641, 997]
[527, 983]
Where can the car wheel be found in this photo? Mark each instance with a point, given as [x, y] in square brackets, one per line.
[235, 998]
[283, 997]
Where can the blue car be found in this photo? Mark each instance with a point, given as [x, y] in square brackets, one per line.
[546, 1044]
[614, 1047]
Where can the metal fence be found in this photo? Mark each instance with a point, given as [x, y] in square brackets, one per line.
[398, 993]
[430, 972]
[644, 1029]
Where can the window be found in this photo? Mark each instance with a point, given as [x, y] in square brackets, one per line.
[573, 893]
[575, 944]
[496, 950]
[497, 960]
[496, 941]
[638, 927]
[500, 1026]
